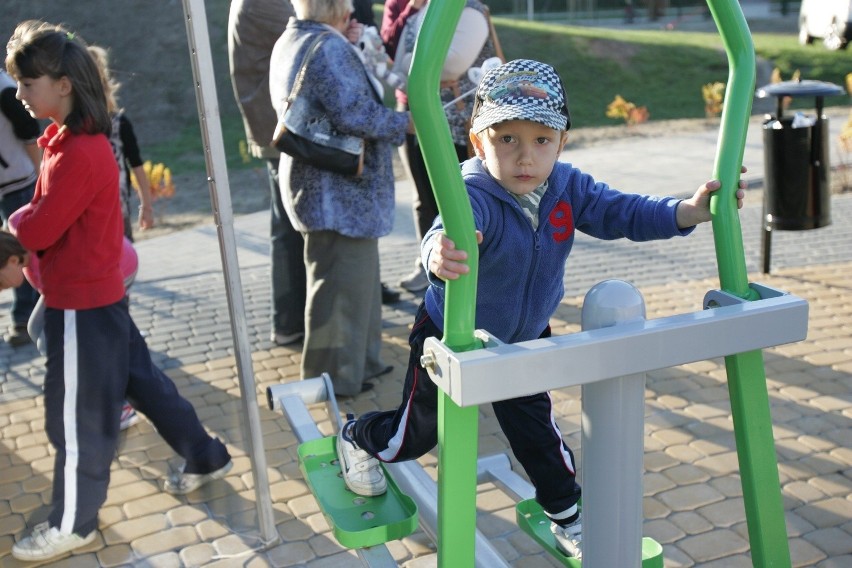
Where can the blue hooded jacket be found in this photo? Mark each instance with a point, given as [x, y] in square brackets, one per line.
[521, 271]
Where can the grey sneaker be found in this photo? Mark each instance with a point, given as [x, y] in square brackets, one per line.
[46, 542]
[183, 483]
[282, 339]
[361, 471]
[416, 281]
[18, 336]
[569, 538]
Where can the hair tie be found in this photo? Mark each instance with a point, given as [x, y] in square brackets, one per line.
[70, 35]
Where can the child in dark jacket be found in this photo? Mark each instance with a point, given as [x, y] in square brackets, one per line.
[13, 259]
[96, 356]
[527, 207]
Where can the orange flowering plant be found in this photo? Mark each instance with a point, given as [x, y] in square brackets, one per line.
[160, 178]
[627, 111]
[846, 134]
[844, 139]
[714, 95]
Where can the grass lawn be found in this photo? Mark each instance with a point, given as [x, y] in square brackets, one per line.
[660, 70]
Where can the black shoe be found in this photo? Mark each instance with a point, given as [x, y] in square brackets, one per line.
[365, 386]
[381, 373]
[18, 336]
[389, 296]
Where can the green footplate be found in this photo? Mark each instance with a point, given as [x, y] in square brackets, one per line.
[533, 521]
[357, 522]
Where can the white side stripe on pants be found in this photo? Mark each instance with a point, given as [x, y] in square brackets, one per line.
[69, 418]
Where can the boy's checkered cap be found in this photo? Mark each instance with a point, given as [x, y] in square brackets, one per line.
[521, 90]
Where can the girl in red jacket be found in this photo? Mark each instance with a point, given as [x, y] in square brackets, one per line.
[95, 354]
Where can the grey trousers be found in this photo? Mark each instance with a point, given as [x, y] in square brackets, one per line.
[343, 312]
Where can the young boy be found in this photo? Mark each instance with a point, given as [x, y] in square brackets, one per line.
[526, 207]
[13, 258]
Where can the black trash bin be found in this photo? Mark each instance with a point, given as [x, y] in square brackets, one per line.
[796, 193]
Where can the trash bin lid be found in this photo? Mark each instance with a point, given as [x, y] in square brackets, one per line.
[800, 89]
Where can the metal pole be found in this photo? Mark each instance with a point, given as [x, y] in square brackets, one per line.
[736, 111]
[457, 427]
[217, 173]
[746, 374]
[612, 517]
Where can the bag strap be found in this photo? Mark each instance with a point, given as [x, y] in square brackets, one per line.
[300, 76]
[492, 32]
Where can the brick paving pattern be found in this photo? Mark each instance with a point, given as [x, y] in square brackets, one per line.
[693, 500]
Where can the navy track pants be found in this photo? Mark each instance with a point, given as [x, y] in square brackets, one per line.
[411, 430]
[95, 359]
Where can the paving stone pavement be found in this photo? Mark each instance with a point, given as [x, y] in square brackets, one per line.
[693, 500]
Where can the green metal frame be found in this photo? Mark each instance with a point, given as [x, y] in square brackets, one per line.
[458, 427]
[532, 519]
[746, 373]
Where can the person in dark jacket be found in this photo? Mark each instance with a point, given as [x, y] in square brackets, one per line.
[253, 28]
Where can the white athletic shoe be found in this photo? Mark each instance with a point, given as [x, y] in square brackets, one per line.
[569, 538]
[416, 281]
[362, 472]
[183, 483]
[46, 542]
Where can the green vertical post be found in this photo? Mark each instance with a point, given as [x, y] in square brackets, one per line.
[457, 427]
[746, 373]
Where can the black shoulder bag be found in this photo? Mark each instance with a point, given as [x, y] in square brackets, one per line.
[305, 133]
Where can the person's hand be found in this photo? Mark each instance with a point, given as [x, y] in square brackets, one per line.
[353, 32]
[696, 209]
[146, 217]
[416, 4]
[446, 261]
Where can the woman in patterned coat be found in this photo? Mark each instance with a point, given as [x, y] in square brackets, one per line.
[341, 217]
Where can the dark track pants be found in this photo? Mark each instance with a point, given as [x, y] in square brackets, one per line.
[528, 423]
[95, 359]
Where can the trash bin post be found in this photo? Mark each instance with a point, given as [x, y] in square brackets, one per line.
[796, 193]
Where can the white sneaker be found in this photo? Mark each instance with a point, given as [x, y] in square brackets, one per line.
[183, 483]
[128, 417]
[416, 281]
[361, 471]
[569, 538]
[46, 542]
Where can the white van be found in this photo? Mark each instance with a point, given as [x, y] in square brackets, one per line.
[830, 20]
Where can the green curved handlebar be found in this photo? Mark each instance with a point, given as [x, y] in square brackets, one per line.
[727, 232]
[439, 154]
[457, 432]
[457, 427]
[750, 409]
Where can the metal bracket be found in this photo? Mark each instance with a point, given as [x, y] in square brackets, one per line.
[720, 298]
